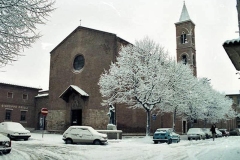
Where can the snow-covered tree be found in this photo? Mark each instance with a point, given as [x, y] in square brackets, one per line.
[18, 20]
[181, 82]
[139, 77]
[207, 104]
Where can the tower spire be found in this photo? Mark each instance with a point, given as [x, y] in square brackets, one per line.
[184, 15]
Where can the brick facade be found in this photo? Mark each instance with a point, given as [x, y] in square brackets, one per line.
[19, 101]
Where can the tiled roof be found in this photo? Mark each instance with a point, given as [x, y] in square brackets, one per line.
[17, 85]
[233, 41]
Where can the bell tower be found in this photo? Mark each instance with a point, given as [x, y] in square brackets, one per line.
[185, 40]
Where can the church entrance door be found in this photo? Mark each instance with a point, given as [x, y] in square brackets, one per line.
[76, 117]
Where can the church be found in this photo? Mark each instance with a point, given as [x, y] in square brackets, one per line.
[73, 98]
[76, 65]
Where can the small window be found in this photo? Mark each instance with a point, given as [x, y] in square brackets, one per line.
[184, 59]
[8, 114]
[195, 121]
[23, 115]
[9, 95]
[25, 96]
[78, 62]
[183, 38]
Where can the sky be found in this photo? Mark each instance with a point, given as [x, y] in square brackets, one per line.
[216, 21]
[51, 146]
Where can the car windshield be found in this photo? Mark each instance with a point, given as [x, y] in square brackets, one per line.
[193, 130]
[92, 130]
[15, 126]
[204, 129]
[162, 130]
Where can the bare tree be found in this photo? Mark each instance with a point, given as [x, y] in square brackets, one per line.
[18, 20]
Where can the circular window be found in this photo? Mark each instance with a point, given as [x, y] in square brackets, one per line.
[78, 62]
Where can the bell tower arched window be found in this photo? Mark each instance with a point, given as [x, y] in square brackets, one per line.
[194, 62]
[183, 38]
[184, 59]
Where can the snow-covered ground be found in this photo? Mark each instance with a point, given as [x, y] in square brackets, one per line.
[51, 147]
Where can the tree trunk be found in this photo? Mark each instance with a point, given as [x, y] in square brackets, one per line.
[148, 123]
[174, 118]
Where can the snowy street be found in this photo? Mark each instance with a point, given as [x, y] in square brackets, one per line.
[51, 147]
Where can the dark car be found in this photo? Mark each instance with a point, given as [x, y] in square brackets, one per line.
[234, 132]
[5, 144]
[225, 132]
[165, 135]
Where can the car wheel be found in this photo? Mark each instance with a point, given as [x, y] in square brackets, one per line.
[155, 142]
[189, 139]
[69, 141]
[25, 139]
[7, 151]
[169, 141]
[96, 142]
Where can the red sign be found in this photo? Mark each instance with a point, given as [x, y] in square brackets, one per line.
[44, 111]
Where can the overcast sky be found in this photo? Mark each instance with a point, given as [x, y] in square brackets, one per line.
[215, 20]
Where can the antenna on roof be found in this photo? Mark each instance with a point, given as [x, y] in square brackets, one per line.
[80, 22]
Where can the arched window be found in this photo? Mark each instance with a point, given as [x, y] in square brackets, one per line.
[194, 62]
[184, 59]
[183, 38]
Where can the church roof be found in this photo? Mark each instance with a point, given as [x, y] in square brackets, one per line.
[184, 15]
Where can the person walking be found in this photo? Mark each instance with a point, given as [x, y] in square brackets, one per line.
[213, 130]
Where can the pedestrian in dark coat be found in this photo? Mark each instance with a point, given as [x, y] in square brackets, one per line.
[213, 130]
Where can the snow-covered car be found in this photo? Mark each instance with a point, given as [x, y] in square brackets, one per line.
[5, 144]
[225, 132]
[165, 135]
[207, 132]
[84, 134]
[218, 133]
[14, 130]
[196, 133]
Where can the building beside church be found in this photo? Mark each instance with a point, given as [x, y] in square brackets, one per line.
[17, 103]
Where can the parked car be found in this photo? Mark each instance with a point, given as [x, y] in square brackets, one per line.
[218, 133]
[5, 144]
[196, 133]
[234, 132]
[84, 134]
[165, 135]
[14, 130]
[225, 132]
[207, 132]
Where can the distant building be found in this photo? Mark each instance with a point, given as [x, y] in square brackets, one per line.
[234, 123]
[17, 103]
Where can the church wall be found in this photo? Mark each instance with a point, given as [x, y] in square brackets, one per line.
[99, 50]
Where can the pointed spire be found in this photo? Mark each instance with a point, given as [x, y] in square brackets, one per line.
[184, 15]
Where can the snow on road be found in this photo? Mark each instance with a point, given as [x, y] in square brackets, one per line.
[51, 147]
